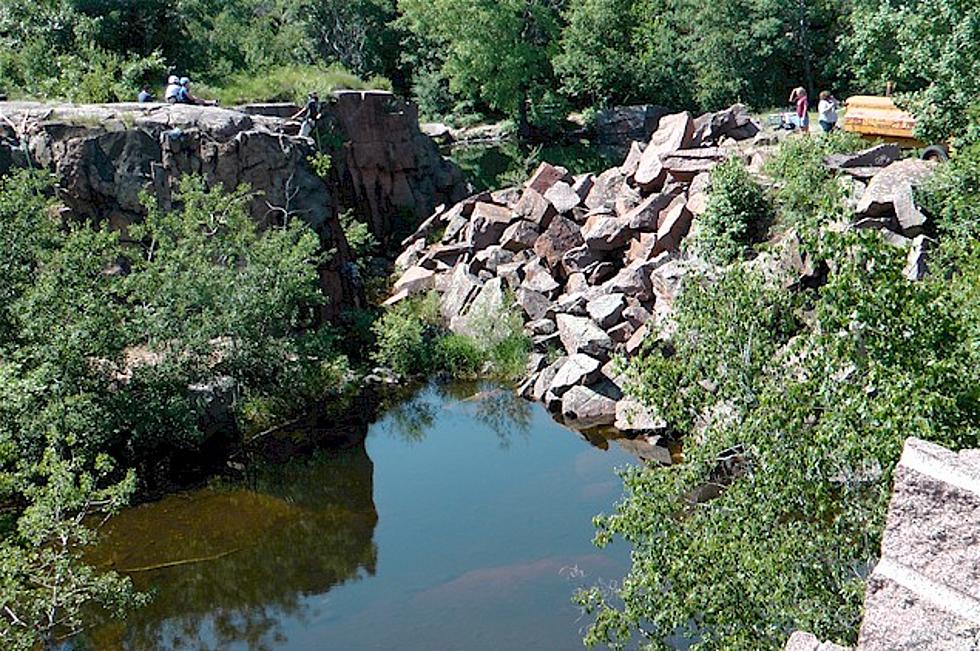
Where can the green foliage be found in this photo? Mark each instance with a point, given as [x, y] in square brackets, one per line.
[929, 49]
[287, 83]
[953, 198]
[497, 52]
[46, 589]
[361, 241]
[738, 214]
[728, 331]
[780, 503]
[102, 342]
[412, 340]
[807, 192]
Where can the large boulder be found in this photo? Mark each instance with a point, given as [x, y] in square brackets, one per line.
[877, 156]
[676, 223]
[519, 236]
[487, 224]
[891, 192]
[674, 132]
[685, 164]
[545, 176]
[463, 287]
[562, 197]
[482, 321]
[645, 215]
[537, 278]
[734, 123]
[925, 588]
[603, 232]
[561, 236]
[576, 370]
[589, 407]
[607, 309]
[581, 335]
[605, 189]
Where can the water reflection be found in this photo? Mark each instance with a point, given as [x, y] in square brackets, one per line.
[501, 410]
[227, 564]
[462, 522]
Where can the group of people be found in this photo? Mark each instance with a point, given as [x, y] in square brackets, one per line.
[826, 109]
[178, 92]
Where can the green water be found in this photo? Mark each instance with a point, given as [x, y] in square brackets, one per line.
[463, 522]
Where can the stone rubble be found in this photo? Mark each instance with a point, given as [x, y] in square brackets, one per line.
[596, 262]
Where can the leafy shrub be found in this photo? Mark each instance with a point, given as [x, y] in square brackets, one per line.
[406, 334]
[807, 193]
[953, 197]
[738, 214]
[413, 341]
[459, 356]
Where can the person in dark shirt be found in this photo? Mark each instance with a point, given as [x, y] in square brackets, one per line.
[145, 95]
[310, 114]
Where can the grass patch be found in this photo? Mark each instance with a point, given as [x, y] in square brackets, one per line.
[286, 84]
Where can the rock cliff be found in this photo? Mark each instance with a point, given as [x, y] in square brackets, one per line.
[104, 156]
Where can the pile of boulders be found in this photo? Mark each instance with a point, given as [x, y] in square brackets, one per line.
[592, 261]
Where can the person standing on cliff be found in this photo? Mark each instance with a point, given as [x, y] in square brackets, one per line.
[310, 114]
[799, 98]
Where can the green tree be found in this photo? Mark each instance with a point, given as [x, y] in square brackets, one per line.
[497, 52]
[929, 49]
[46, 588]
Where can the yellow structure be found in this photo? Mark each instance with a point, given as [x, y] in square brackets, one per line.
[878, 118]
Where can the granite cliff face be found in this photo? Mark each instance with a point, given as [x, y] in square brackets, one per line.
[104, 156]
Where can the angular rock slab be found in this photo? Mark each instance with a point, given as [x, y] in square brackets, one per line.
[891, 192]
[482, 321]
[675, 132]
[603, 232]
[562, 197]
[581, 335]
[561, 236]
[577, 369]
[519, 236]
[924, 593]
[585, 407]
[487, 224]
[606, 310]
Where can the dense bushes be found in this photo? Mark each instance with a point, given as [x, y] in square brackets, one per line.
[114, 356]
[738, 214]
[104, 339]
[795, 407]
[413, 341]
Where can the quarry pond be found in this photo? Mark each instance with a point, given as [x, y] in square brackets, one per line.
[462, 522]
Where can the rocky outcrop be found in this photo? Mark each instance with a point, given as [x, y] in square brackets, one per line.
[387, 168]
[596, 262]
[924, 591]
[105, 156]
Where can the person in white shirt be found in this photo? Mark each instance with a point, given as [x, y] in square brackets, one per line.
[827, 108]
[173, 89]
